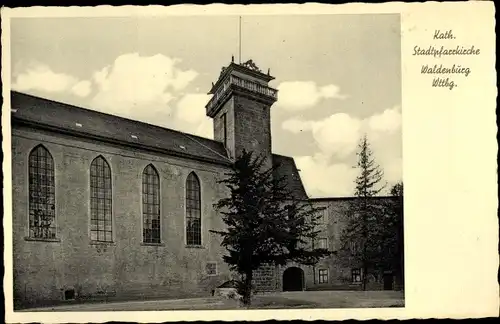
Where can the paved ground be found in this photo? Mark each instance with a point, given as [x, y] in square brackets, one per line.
[307, 299]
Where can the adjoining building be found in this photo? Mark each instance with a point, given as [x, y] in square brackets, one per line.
[108, 206]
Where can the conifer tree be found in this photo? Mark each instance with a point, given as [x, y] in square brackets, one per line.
[360, 238]
[393, 229]
[265, 223]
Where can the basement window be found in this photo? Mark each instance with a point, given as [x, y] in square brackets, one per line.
[69, 294]
[211, 268]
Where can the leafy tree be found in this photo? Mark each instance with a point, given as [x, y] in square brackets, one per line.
[362, 233]
[265, 224]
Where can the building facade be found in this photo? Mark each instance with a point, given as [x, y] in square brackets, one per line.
[107, 206]
[337, 272]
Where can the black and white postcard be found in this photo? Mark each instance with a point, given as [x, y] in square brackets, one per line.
[319, 161]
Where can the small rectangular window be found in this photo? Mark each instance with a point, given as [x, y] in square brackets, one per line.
[321, 217]
[322, 243]
[211, 268]
[355, 247]
[356, 275]
[323, 276]
[224, 128]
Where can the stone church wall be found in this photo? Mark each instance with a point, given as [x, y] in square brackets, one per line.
[126, 267]
[265, 278]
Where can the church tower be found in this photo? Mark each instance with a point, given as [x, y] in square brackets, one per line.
[240, 108]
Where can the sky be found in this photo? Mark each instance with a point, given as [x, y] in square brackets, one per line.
[338, 76]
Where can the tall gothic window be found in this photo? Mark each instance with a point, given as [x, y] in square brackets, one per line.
[193, 210]
[151, 205]
[100, 201]
[42, 214]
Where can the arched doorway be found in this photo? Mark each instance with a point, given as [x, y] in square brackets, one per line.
[293, 279]
[388, 281]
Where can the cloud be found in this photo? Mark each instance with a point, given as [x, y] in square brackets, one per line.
[82, 88]
[331, 91]
[191, 107]
[322, 179]
[205, 128]
[296, 125]
[40, 77]
[337, 138]
[190, 112]
[388, 121]
[337, 134]
[145, 88]
[393, 170]
[300, 95]
[135, 82]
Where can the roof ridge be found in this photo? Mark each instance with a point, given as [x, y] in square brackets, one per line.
[224, 157]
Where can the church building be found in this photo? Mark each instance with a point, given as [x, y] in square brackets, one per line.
[108, 206]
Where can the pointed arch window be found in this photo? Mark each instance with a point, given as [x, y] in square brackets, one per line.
[193, 210]
[151, 205]
[42, 214]
[101, 199]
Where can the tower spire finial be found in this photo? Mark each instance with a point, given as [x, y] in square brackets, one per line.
[239, 40]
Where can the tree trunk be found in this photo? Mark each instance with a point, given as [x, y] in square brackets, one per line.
[365, 243]
[401, 248]
[247, 295]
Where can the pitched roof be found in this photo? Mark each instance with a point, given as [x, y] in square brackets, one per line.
[288, 170]
[62, 117]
